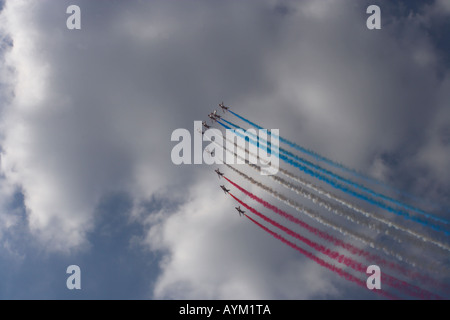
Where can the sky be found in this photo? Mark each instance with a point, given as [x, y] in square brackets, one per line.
[86, 118]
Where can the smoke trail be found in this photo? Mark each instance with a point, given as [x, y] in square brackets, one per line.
[350, 248]
[345, 180]
[341, 187]
[341, 229]
[335, 164]
[391, 281]
[329, 223]
[319, 261]
[354, 250]
[419, 239]
[345, 231]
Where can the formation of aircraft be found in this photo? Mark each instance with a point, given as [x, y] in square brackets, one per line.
[225, 190]
[214, 116]
[239, 210]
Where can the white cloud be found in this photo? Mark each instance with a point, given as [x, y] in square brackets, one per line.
[71, 134]
[212, 253]
[443, 6]
[435, 154]
[28, 161]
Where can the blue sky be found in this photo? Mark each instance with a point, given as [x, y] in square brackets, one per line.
[115, 269]
[86, 118]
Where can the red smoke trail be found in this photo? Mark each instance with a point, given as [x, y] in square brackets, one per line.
[392, 281]
[374, 258]
[319, 261]
[304, 225]
[349, 247]
[420, 239]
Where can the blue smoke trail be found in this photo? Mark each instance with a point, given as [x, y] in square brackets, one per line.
[350, 182]
[343, 188]
[339, 166]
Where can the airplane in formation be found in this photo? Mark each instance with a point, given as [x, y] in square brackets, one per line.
[219, 174]
[225, 189]
[212, 117]
[205, 125]
[240, 211]
[217, 116]
[221, 105]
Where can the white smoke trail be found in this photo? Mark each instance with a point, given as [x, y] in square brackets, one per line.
[391, 224]
[343, 230]
[329, 223]
[397, 236]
